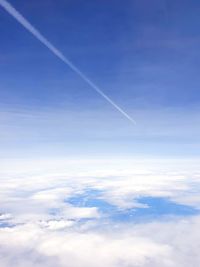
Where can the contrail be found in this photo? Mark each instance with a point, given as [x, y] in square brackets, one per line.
[22, 20]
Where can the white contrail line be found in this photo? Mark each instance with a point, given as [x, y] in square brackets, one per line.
[14, 13]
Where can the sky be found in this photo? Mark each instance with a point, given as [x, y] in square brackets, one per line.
[80, 181]
[142, 54]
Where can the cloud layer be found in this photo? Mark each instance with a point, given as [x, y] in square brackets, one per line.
[40, 225]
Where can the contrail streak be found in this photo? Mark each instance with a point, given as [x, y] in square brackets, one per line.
[14, 13]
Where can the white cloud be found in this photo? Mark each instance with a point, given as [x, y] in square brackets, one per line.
[57, 224]
[75, 249]
[5, 216]
[46, 230]
[167, 244]
[44, 185]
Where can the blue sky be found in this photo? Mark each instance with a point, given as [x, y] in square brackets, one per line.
[144, 55]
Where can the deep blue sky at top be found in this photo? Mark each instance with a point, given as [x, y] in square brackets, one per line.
[141, 52]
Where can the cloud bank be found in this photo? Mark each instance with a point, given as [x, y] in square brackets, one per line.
[40, 225]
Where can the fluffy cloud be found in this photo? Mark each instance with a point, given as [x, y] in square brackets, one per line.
[40, 226]
[166, 244]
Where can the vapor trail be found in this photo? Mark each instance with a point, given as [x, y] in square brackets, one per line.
[14, 13]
